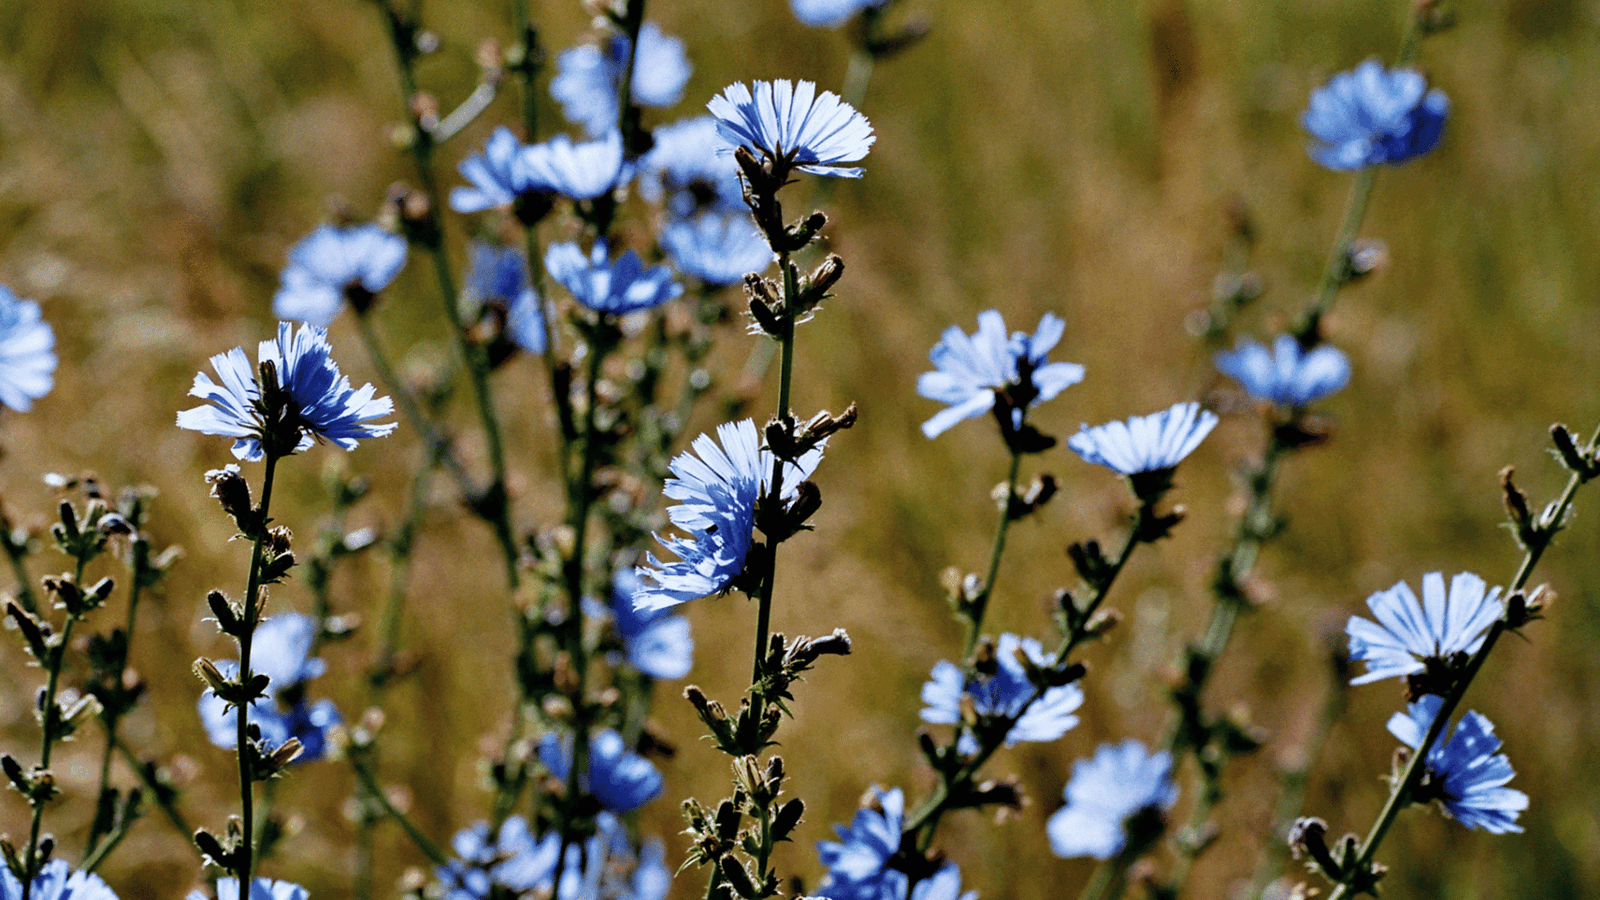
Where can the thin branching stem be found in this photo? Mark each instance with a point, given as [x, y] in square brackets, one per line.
[980, 603]
[1400, 795]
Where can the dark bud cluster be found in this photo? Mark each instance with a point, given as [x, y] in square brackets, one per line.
[77, 601]
[1031, 499]
[1019, 438]
[1578, 460]
[1308, 840]
[231, 490]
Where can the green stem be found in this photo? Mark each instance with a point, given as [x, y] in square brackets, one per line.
[924, 821]
[980, 603]
[1399, 797]
[437, 443]
[140, 565]
[495, 506]
[432, 851]
[791, 291]
[156, 790]
[251, 617]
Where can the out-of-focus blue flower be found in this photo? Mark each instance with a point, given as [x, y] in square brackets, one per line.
[656, 642]
[691, 169]
[333, 265]
[828, 13]
[1104, 793]
[1002, 696]
[589, 78]
[858, 863]
[944, 884]
[1286, 375]
[718, 485]
[260, 889]
[320, 402]
[617, 288]
[971, 370]
[280, 650]
[1408, 634]
[516, 861]
[498, 176]
[1467, 775]
[717, 249]
[501, 274]
[1143, 444]
[27, 352]
[1374, 115]
[620, 779]
[56, 881]
[792, 126]
[581, 171]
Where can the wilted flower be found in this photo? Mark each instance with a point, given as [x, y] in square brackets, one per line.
[858, 863]
[1287, 375]
[1104, 793]
[691, 169]
[828, 13]
[27, 352]
[620, 779]
[309, 399]
[793, 127]
[1465, 773]
[281, 651]
[718, 486]
[588, 78]
[1408, 634]
[973, 370]
[1145, 445]
[717, 249]
[56, 881]
[1374, 115]
[1005, 695]
[617, 288]
[333, 265]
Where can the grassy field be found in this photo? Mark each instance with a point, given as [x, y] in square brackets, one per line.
[158, 157]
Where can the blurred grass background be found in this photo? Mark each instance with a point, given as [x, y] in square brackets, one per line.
[158, 157]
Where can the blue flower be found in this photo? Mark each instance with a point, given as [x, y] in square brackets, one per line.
[333, 265]
[691, 169]
[620, 779]
[580, 171]
[260, 889]
[1408, 634]
[971, 371]
[944, 884]
[828, 13]
[617, 288]
[309, 400]
[1002, 699]
[27, 352]
[717, 249]
[501, 274]
[788, 124]
[1145, 444]
[280, 651]
[589, 78]
[1104, 793]
[1374, 115]
[498, 176]
[1464, 772]
[656, 643]
[858, 863]
[56, 881]
[1286, 375]
[718, 489]
[516, 861]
